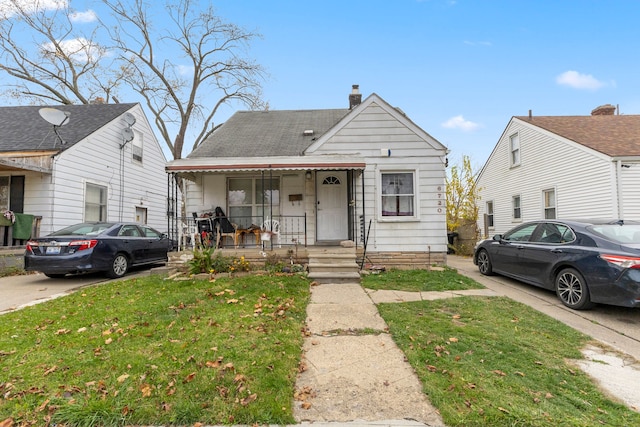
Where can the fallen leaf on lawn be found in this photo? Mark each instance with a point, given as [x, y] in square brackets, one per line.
[456, 316]
[62, 332]
[50, 370]
[43, 406]
[500, 408]
[239, 377]
[536, 400]
[146, 390]
[108, 341]
[248, 399]
[453, 339]
[520, 373]
[232, 301]
[228, 366]
[189, 377]
[431, 368]
[548, 396]
[122, 378]
[306, 405]
[7, 423]
[602, 411]
[83, 329]
[498, 372]
[107, 332]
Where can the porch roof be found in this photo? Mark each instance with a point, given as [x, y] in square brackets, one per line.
[275, 163]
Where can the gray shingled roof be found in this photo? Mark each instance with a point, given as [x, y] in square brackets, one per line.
[268, 133]
[613, 135]
[23, 129]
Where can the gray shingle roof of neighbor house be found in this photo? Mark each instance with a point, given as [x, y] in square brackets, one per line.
[613, 135]
[23, 129]
[268, 133]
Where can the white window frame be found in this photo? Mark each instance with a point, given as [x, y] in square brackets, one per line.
[137, 147]
[399, 196]
[514, 149]
[489, 212]
[238, 211]
[102, 204]
[548, 208]
[516, 207]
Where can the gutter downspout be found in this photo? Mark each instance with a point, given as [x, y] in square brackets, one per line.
[620, 204]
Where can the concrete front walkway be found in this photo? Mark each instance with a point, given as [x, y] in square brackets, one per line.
[354, 372]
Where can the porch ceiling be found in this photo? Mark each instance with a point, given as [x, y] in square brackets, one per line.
[237, 164]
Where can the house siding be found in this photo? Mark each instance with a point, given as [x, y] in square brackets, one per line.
[581, 178]
[59, 197]
[369, 132]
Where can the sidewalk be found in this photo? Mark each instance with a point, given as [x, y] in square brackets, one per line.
[354, 371]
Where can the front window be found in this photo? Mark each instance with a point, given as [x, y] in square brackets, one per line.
[549, 204]
[4, 192]
[252, 199]
[515, 149]
[398, 196]
[517, 213]
[489, 214]
[95, 203]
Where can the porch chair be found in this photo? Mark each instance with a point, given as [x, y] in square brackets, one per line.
[271, 228]
[224, 228]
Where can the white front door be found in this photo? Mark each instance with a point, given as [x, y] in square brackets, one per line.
[332, 212]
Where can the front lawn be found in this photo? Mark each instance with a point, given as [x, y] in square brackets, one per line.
[440, 279]
[148, 351]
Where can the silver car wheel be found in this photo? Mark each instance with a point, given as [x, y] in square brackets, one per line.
[572, 289]
[484, 263]
[119, 266]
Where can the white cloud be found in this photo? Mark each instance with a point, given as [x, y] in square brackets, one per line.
[8, 7]
[80, 49]
[479, 43]
[459, 122]
[579, 81]
[84, 17]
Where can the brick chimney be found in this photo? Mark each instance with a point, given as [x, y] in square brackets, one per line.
[355, 97]
[604, 110]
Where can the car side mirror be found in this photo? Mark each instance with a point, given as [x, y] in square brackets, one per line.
[164, 236]
[497, 237]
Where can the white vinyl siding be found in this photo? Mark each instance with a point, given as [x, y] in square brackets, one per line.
[59, 198]
[584, 180]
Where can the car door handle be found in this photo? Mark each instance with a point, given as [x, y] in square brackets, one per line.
[556, 251]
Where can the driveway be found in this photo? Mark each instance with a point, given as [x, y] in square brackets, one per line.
[618, 327]
[19, 291]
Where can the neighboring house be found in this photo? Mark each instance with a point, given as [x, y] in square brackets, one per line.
[571, 167]
[327, 176]
[103, 164]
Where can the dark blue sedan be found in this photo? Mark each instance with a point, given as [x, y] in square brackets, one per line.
[584, 262]
[106, 247]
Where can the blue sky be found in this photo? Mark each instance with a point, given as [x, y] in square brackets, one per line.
[459, 69]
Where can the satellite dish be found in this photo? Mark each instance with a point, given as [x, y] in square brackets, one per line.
[55, 117]
[127, 135]
[130, 119]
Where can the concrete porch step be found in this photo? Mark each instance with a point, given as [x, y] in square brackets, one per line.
[334, 277]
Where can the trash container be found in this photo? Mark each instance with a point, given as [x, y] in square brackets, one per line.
[451, 236]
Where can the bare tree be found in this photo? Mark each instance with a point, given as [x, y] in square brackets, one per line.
[185, 93]
[186, 66]
[48, 58]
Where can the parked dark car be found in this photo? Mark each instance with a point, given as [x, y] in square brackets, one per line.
[96, 247]
[585, 262]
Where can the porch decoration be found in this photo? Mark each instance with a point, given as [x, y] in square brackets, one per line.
[7, 218]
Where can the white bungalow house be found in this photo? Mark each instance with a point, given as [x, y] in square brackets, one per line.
[571, 167]
[366, 173]
[67, 164]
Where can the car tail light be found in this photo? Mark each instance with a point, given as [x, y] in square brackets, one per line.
[622, 261]
[30, 245]
[81, 245]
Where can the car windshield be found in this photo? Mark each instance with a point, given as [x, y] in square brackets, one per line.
[86, 229]
[627, 233]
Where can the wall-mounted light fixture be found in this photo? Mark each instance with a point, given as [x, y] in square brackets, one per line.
[308, 175]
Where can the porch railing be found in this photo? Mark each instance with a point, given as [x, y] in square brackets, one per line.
[250, 231]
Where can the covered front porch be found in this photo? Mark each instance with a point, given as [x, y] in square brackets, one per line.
[247, 203]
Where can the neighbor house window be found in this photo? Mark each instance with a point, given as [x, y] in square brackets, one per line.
[4, 192]
[549, 203]
[514, 141]
[136, 147]
[398, 195]
[517, 212]
[252, 199]
[95, 203]
[489, 213]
